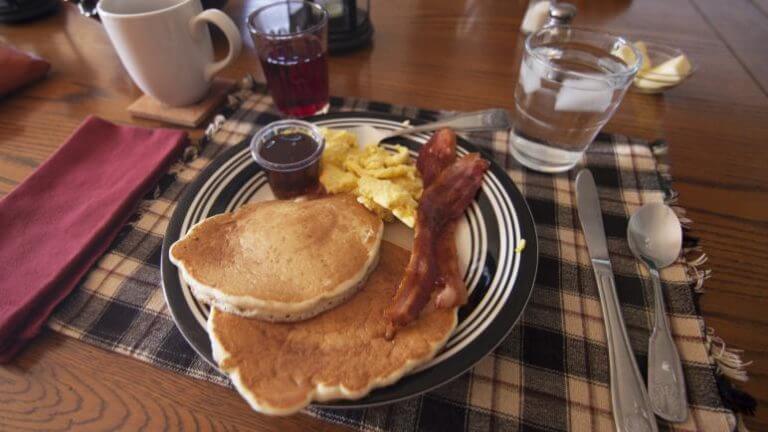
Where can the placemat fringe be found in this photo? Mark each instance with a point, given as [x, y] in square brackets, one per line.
[740, 426]
[242, 91]
[728, 360]
[729, 367]
[659, 147]
[215, 125]
[728, 363]
[694, 258]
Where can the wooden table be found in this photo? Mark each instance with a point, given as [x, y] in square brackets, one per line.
[431, 53]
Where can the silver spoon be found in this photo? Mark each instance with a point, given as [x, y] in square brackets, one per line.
[655, 238]
[490, 119]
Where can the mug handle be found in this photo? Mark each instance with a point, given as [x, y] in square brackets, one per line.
[225, 23]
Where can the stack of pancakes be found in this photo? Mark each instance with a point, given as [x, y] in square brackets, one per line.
[298, 292]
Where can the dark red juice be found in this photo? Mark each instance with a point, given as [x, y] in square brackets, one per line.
[297, 76]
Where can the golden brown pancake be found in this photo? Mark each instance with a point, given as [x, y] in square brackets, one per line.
[281, 260]
[279, 368]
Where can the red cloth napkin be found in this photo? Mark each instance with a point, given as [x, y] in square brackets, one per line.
[60, 220]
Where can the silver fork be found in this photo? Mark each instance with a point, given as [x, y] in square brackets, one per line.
[491, 119]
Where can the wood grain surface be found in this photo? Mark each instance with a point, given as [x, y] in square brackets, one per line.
[457, 55]
[60, 385]
[730, 20]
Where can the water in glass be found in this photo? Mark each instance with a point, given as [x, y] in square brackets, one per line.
[566, 92]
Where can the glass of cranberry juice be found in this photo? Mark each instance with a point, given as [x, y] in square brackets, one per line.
[291, 38]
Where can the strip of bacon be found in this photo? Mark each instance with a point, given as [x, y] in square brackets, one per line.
[442, 202]
[436, 155]
[450, 284]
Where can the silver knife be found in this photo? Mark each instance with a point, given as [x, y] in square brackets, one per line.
[631, 405]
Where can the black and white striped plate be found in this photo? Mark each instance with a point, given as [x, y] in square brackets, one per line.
[499, 278]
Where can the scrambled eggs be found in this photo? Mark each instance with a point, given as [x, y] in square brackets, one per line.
[386, 183]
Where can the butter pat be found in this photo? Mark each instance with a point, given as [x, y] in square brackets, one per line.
[626, 54]
[671, 71]
[667, 74]
[645, 64]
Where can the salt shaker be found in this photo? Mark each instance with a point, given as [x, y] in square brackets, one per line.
[545, 13]
[561, 13]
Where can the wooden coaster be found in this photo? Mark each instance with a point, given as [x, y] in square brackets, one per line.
[192, 115]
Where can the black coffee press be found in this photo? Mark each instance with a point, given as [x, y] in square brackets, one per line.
[24, 10]
[349, 25]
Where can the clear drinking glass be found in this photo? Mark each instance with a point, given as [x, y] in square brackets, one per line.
[571, 82]
[291, 38]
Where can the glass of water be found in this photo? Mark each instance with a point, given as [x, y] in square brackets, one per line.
[571, 82]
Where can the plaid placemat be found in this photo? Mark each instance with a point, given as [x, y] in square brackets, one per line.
[551, 373]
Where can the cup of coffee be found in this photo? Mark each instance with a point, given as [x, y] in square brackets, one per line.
[166, 47]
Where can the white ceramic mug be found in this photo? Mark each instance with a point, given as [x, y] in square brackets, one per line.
[166, 47]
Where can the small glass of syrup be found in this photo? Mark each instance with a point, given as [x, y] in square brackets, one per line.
[289, 151]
